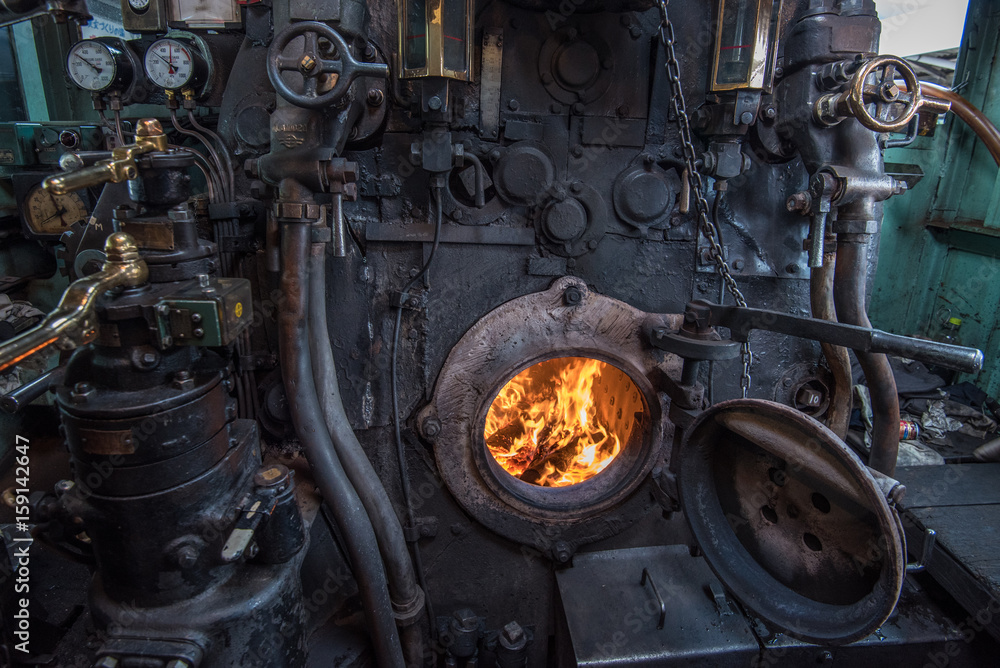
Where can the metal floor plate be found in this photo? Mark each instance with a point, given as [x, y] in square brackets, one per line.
[612, 617]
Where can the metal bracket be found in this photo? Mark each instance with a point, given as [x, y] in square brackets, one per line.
[926, 552]
[646, 577]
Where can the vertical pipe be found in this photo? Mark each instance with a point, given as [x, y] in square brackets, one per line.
[849, 296]
[307, 416]
[838, 416]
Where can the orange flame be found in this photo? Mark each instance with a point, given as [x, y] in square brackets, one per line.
[563, 421]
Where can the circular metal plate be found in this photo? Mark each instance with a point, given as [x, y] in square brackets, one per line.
[791, 521]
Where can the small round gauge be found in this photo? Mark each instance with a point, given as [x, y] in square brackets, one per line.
[138, 6]
[172, 64]
[92, 65]
[48, 214]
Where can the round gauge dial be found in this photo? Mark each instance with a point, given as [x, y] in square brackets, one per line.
[46, 213]
[92, 65]
[173, 64]
[138, 6]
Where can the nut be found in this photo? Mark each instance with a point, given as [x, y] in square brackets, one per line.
[431, 428]
[572, 296]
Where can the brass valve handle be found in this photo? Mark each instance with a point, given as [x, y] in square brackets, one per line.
[149, 138]
[69, 325]
[875, 84]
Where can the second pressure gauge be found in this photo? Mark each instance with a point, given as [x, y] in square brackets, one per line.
[173, 64]
[97, 65]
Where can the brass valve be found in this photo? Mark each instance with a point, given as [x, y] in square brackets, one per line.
[70, 325]
[895, 106]
[149, 138]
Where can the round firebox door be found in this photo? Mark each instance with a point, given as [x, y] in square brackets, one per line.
[791, 521]
[544, 420]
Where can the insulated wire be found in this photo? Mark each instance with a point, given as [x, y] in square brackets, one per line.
[400, 451]
[223, 151]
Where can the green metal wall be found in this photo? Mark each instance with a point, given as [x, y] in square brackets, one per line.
[940, 249]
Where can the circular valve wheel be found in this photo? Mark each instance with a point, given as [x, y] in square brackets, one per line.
[894, 106]
[316, 66]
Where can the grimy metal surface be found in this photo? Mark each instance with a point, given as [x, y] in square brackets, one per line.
[476, 241]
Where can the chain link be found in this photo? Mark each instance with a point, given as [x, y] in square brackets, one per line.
[679, 107]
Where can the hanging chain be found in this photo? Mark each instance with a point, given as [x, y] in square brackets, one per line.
[679, 106]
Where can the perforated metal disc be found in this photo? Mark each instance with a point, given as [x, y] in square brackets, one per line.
[791, 521]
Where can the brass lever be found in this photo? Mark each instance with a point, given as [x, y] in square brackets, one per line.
[149, 138]
[69, 325]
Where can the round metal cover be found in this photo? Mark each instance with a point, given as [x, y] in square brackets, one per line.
[791, 521]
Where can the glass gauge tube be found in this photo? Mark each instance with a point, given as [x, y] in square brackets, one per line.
[96, 66]
[172, 64]
[744, 44]
[436, 38]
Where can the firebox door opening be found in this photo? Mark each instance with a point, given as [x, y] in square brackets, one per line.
[550, 436]
[564, 421]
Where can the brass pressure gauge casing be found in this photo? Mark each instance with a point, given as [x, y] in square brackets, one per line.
[435, 38]
[745, 45]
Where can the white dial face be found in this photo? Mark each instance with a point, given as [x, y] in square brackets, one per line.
[169, 64]
[138, 5]
[91, 65]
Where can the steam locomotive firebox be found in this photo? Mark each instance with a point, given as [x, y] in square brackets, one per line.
[445, 333]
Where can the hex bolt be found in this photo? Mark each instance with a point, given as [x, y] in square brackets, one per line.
[572, 296]
[187, 556]
[799, 202]
[807, 396]
[431, 428]
[465, 619]
[771, 113]
[562, 552]
[513, 633]
[792, 268]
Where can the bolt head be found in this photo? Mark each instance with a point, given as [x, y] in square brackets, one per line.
[513, 632]
[149, 358]
[431, 427]
[746, 118]
[434, 104]
[572, 296]
[375, 97]
[466, 619]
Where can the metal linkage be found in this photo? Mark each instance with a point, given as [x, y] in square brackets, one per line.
[697, 185]
[705, 316]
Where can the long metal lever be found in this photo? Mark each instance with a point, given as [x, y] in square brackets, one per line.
[69, 325]
[741, 321]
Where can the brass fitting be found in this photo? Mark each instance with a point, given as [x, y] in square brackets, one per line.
[70, 324]
[149, 138]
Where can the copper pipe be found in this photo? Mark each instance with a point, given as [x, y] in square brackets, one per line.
[972, 116]
[838, 416]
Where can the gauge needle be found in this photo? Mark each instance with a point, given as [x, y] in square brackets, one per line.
[92, 65]
[61, 212]
[169, 64]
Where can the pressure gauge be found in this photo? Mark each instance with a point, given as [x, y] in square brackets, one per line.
[48, 215]
[97, 65]
[139, 6]
[173, 64]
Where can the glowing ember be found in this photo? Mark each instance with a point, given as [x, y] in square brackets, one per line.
[563, 421]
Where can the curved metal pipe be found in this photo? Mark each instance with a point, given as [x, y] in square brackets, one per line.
[307, 416]
[838, 416]
[972, 116]
[849, 296]
[407, 598]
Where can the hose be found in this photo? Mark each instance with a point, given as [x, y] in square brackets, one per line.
[406, 596]
[838, 416]
[307, 416]
[850, 280]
